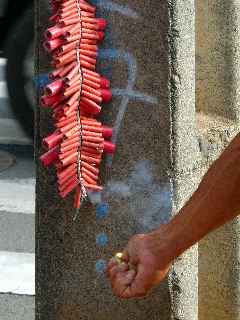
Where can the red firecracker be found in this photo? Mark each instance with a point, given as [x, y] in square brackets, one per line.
[75, 96]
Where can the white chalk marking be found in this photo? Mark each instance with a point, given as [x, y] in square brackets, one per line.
[3, 89]
[17, 273]
[3, 61]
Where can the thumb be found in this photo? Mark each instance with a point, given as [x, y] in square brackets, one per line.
[125, 256]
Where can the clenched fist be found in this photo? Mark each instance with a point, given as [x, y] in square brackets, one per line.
[140, 270]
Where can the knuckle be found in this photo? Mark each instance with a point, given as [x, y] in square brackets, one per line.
[138, 237]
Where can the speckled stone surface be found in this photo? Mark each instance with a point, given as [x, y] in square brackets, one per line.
[218, 56]
[148, 54]
[217, 97]
[186, 158]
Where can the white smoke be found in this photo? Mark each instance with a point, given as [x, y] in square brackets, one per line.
[149, 203]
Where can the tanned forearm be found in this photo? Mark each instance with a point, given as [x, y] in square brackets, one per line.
[216, 201]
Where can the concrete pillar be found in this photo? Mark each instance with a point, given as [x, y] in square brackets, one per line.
[148, 54]
[184, 148]
[218, 75]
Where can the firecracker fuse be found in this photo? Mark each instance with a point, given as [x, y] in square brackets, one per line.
[75, 96]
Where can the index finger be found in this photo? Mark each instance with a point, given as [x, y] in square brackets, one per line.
[142, 283]
[112, 263]
[122, 281]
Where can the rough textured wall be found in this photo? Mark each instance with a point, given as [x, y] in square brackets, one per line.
[148, 54]
[184, 148]
[218, 40]
[217, 96]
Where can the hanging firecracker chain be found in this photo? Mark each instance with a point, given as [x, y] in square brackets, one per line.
[75, 96]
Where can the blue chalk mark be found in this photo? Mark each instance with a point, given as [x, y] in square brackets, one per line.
[101, 239]
[41, 80]
[102, 210]
[128, 93]
[101, 266]
[127, 57]
[109, 36]
[114, 7]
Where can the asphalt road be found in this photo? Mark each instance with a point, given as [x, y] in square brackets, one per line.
[17, 215]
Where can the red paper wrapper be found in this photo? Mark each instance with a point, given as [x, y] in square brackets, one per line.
[75, 96]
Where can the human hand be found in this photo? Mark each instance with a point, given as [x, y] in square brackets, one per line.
[141, 269]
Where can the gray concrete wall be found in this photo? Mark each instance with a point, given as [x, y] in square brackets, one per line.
[217, 96]
[148, 54]
[184, 148]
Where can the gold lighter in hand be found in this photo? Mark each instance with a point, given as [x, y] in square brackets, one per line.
[119, 257]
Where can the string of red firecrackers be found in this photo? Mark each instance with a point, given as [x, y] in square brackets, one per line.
[74, 96]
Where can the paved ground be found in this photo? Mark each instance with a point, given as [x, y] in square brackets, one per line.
[17, 208]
